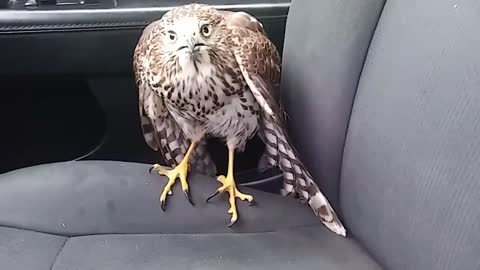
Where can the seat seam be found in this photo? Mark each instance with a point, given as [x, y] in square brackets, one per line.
[58, 253]
[352, 105]
[33, 230]
[73, 235]
[200, 234]
[367, 51]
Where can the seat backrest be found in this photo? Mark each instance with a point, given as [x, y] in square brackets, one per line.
[410, 170]
[325, 46]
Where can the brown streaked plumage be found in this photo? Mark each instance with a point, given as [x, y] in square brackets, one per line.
[207, 72]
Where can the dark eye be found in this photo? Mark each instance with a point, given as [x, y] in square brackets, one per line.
[171, 35]
[206, 30]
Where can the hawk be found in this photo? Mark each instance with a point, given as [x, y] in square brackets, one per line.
[204, 72]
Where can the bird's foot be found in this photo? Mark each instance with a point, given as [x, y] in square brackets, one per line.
[172, 174]
[228, 185]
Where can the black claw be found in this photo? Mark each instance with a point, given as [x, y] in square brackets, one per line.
[211, 196]
[189, 198]
[252, 203]
[151, 169]
[162, 205]
[231, 223]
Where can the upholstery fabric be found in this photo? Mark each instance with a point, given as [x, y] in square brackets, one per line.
[300, 248]
[106, 215]
[410, 186]
[92, 197]
[24, 250]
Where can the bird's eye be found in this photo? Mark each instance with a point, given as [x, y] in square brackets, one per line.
[206, 30]
[172, 36]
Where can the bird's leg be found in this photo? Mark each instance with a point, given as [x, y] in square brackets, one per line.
[228, 185]
[180, 171]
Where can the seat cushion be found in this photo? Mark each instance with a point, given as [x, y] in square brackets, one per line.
[110, 214]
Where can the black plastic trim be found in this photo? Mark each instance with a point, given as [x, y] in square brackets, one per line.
[94, 42]
[23, 21]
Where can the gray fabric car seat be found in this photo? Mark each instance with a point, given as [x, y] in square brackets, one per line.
[409, 174]
[410, 187]
[402, 166]
[106, 215]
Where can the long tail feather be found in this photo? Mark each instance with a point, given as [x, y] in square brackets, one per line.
[297, 180]
[175, 142]
[201, 160]
[164, 136]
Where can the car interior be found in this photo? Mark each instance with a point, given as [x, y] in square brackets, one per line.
[382, 99]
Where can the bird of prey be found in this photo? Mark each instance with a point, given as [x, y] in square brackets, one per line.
[204, 72]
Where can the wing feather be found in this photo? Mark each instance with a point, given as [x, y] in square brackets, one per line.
[260, 64]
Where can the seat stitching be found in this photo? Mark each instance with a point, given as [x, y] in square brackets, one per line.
[58, 253]
[74, 235]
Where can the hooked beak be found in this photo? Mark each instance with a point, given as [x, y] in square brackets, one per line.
[192, 44]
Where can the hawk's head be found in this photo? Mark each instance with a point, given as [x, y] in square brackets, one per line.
[188, 33]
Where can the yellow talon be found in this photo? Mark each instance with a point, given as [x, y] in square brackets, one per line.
[180, 171]
[233, 192]
[228, 185]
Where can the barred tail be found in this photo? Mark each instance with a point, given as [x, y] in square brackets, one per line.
[174, 145]
[165, 136]
[297, 180]
[201, 160]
